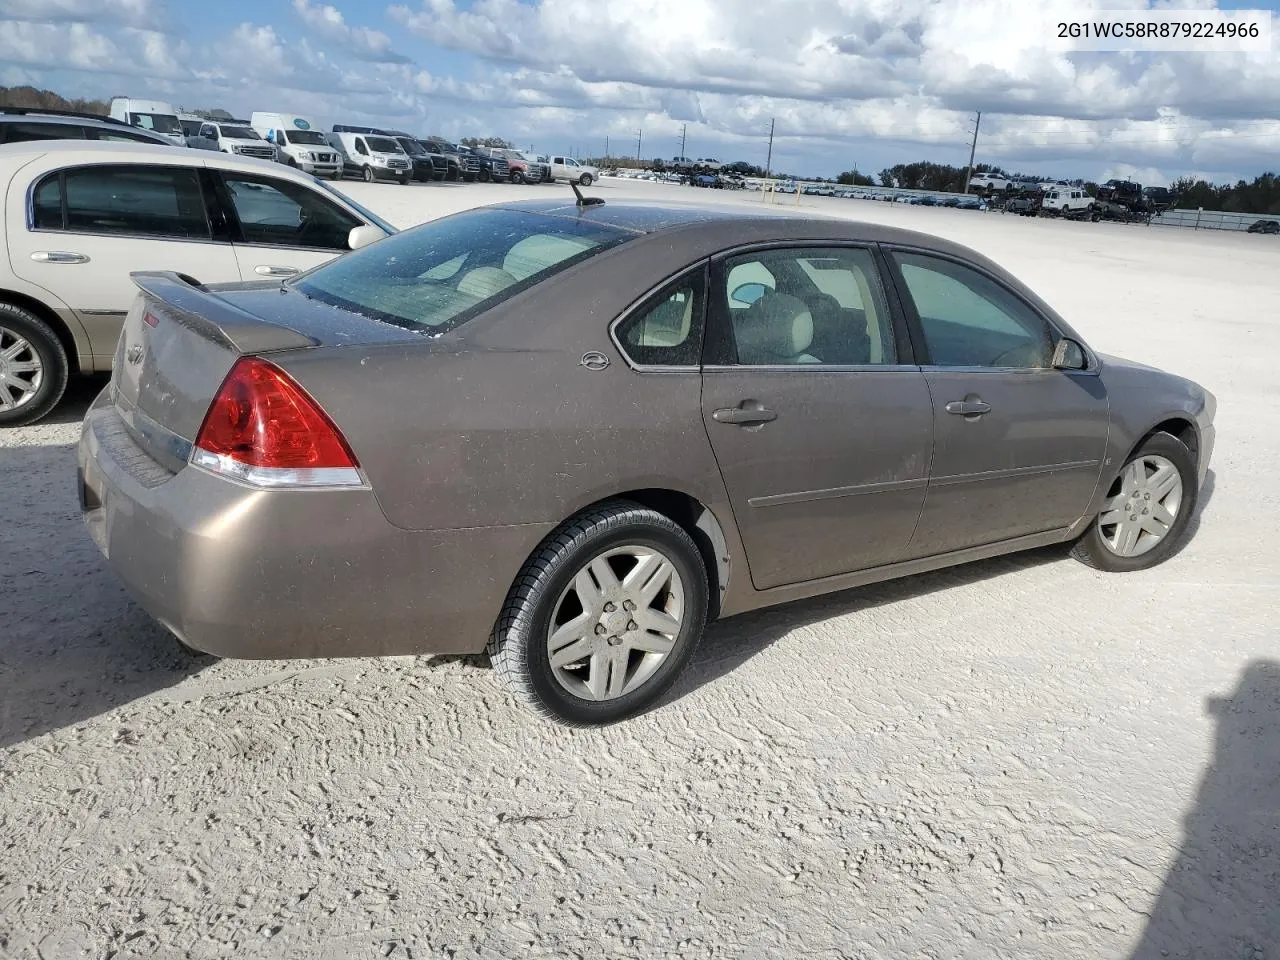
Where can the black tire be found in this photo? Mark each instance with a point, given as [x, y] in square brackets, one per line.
[1092, 550]
[368, 174]
[484, 176]
[292, 163]
[518, 647]
[517, 176]
[404, 181]
[585, 180]
[48, 351]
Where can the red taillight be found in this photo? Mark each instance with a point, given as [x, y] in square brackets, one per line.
[264, 428]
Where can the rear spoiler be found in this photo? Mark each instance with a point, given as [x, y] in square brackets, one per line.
[198, 308]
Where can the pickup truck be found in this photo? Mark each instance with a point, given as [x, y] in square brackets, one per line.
[521, 168]
[236, 136]
[461, 164]
[491, 164]
[567, 168]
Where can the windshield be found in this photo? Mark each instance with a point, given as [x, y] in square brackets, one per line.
[159, 122]
[382, 145]
[239, 133]
[363, 211]
[440, 274]
[313, 137]
[411, 147]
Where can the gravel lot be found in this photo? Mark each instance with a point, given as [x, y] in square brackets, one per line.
[1018, 758]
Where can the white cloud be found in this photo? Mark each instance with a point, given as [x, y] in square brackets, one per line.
[361, 42]
[136, 13]
[80, 46]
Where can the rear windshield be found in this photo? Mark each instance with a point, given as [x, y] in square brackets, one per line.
[382, 145]
[440, 274]
[159, 122]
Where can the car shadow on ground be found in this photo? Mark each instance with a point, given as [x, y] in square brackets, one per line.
[1219, 898]
[72, 644]
[731, 642]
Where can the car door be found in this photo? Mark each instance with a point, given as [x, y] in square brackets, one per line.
[820, 424]
[88, 226]
[280, 227]
[1018, 445]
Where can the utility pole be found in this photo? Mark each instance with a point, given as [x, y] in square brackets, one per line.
[972, 150]
[606, 147]
[639, 140]
[684, 129]
[768, 163]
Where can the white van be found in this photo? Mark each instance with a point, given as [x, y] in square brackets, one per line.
[298, 142]
[154, 115]
[1066, 201]
[372, 156]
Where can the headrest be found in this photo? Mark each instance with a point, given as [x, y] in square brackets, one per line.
[484, 282]
[777, 328]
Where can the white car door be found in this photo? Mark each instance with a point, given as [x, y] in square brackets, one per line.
[80, 228]
[280, 227]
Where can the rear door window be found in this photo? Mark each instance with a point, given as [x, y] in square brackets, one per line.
[126, 199]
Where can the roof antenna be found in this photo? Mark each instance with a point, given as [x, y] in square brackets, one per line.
[584, 201]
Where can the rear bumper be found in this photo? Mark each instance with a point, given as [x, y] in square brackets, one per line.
[240, 572]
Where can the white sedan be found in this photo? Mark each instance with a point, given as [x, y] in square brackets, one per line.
[81, 216]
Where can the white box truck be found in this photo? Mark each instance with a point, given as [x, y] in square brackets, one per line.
[154, 115]
[299, 143]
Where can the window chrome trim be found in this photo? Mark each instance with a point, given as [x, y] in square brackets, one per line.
[195, 168]
[814, 367]
[630, 310]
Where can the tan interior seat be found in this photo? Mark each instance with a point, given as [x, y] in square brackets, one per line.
[484, 282]
[776, 329]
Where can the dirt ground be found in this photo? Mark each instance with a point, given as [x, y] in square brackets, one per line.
[1018, 758]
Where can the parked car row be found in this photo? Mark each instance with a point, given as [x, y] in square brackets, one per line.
[371, 153]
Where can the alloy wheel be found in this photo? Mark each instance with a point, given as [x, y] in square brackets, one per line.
[615, 624]
[1142, 506]
[21, 370]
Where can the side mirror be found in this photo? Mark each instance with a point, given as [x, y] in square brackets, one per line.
[748, 293]
[1068, 355]
[363, 235]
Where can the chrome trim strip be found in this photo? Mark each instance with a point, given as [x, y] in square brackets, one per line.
[832, 493]
[1013, 472]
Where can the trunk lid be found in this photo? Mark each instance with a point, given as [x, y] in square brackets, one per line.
[180, 339]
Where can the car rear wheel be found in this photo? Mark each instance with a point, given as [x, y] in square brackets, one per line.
[33, 367]
[585, 180]
[1145, 516]
[603, 617]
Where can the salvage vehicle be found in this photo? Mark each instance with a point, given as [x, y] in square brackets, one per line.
[572, 433]
[298, 142]
[1264, 226]
[79, 216]
[1122, 200]
[239, 138]
[567, 168]
[22, 124]
[372, 157]
[1024, 204]
[155, 115]
[461, 163]
[1066, 202]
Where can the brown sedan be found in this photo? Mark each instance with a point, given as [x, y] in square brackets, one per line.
[575, 433]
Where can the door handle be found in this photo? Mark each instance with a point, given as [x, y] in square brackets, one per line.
[268, 271]
[743, 416]
[968, 408]
[58, 256]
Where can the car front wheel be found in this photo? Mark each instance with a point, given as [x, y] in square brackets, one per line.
[1145, 516]
[585, 180]
[603, 617]
[33, 367]
[368, 174]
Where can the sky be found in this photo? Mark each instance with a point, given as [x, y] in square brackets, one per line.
[847, 84]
